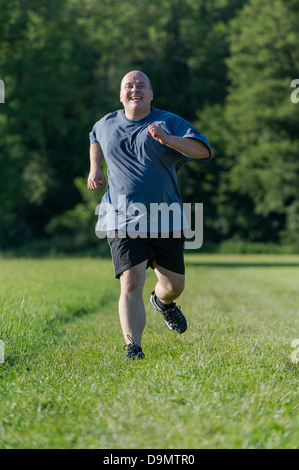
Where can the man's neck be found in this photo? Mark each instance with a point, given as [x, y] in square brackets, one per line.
[136, 115]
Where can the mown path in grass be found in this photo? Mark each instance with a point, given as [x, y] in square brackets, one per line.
[228, 382]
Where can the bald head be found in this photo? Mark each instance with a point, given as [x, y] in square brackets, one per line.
[136, 74]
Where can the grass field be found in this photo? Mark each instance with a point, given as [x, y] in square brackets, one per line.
[228, 382]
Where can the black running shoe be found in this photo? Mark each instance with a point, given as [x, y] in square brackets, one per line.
[173, 316]
[133, 351]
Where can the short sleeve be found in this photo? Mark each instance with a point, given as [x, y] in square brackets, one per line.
[183, 128]
[93, 136]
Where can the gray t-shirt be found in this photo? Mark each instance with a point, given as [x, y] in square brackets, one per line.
[140, 170]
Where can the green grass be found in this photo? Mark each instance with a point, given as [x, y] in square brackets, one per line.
[228, 382]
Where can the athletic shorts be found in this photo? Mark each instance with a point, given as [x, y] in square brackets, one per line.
[167, 252]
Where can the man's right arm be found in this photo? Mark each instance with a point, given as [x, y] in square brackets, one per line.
[96, 177]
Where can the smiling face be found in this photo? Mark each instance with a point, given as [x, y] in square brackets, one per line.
[136, 95]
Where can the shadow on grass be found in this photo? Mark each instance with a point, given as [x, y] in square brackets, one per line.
[68, 315]
[72, 313]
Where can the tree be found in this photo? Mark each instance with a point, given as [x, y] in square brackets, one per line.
[47, 64]
[62, 63]
[262, 119]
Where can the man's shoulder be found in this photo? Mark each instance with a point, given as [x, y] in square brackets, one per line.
[164, 114]
[109, 117]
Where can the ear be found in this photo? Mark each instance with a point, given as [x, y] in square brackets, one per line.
[120, 99]
[152, 95]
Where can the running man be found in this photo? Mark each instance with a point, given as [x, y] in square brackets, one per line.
[144, 148]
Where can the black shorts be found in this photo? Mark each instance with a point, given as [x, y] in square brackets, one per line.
[167, 252]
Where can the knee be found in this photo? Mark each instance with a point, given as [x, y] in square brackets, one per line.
[176, 287]
[130, 283]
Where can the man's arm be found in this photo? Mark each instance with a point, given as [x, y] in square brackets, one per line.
[190, 147]
[96, 178]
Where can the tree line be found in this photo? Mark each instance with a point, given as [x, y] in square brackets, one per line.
[224, 65]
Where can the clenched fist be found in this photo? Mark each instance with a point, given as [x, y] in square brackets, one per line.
[156, 131]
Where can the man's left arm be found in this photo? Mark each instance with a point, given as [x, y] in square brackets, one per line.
[191, 147]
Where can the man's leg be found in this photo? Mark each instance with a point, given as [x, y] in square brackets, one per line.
[131, 307]
[170, 284]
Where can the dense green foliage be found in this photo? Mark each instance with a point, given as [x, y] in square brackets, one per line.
[226, 66]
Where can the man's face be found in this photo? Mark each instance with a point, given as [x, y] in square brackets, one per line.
[136, 95]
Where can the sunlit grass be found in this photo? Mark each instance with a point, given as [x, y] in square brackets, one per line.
[228, 382]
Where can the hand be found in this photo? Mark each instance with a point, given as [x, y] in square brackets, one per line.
[96, 179]
[156, 131]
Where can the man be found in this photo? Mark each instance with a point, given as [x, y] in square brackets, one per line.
[144, 148]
